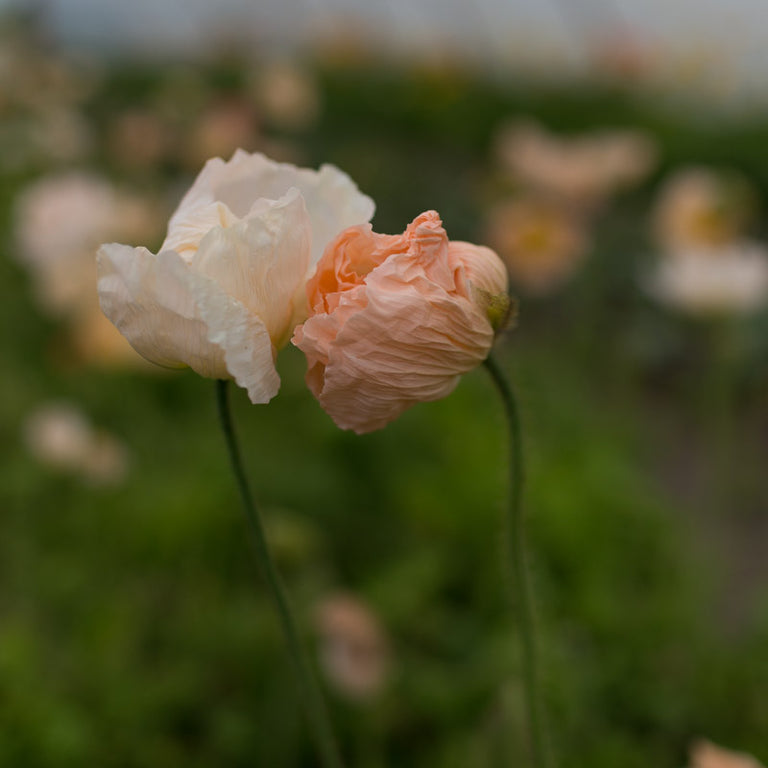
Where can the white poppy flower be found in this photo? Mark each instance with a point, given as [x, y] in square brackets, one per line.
[731, 279]
[227, 287]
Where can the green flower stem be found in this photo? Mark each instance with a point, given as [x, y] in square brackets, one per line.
[521, 587]
[312, 699]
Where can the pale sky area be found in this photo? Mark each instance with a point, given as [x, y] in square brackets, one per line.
[724, 41]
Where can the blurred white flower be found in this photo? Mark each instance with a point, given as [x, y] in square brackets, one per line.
[354, 650]
[731, 279]
[60, 436]
[227, 287]
[705, 754]
[581, 170]
[698, 207]
[59, 223]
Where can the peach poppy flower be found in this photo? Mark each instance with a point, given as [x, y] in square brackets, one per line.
[396, 319]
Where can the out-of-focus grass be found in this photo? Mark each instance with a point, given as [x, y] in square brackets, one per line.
[134, 630]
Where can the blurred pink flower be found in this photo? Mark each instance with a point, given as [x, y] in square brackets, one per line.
[354, 650]
[60, 436]
[705, 754]
[582, 170]
[227, 287]
[396, 319]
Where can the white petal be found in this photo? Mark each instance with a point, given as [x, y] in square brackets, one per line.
[148, 298]
[174, 317]
[332, 198]
[248, 349]
[262, 261]
[190, 225]
[200, 194]
[334, 203]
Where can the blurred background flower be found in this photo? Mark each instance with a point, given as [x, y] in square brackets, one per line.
[705, 754]
[729, 279]
[287, 95]
[354, 650]
[59, 222]
[541, 242]
[581, 171]
[224, 126]
[60, 436]
[702, 208]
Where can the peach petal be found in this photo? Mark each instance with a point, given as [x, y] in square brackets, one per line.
[395, 320]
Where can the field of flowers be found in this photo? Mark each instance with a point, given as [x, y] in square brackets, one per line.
[135, 629]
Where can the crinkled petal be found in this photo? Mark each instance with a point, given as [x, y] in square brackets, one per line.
[410, 343]
[175, 317]
[262, 261]
[243, 337]
[148, 298]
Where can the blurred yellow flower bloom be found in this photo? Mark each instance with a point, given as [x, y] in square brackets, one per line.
[539, 241]
[700, 208]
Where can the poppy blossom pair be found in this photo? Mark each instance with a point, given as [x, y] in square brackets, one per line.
[260, 253]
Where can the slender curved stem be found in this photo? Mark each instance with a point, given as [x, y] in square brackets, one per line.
[312, 699]
[521, 586]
